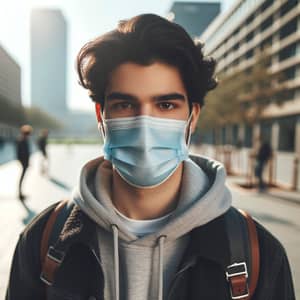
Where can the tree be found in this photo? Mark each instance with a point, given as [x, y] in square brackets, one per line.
[11, 113]
[40, 119]
[242, 96]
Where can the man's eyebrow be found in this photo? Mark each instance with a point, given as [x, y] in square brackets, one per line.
[120, 96]
[171, 96]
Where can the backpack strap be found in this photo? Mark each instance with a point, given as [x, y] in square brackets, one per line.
[255, 256]
[243, 271]
[50, 258]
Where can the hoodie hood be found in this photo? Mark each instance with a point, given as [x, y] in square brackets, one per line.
[203, 197]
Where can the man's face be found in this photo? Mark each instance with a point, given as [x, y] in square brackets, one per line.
[156, 90]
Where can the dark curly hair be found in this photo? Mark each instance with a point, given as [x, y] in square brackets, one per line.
[145, 39]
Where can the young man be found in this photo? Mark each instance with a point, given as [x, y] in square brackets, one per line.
[148, 220]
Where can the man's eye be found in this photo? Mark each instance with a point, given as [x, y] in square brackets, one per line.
[123, 105]
[166, 106]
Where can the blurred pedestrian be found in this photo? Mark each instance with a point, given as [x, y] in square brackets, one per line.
[148, 219]
[23, 155]
[263, 155]
[42, 146]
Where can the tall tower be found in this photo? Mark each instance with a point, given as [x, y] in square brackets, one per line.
[194, 16]
[49, 61]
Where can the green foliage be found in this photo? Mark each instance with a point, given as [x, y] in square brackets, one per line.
[10, 113]
[242, 96]
[17, 115]
[40, 119]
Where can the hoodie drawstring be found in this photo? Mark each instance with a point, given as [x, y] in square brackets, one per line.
[116, 260]
[161, 241]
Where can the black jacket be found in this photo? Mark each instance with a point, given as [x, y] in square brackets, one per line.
[201, 274]
[23, 151]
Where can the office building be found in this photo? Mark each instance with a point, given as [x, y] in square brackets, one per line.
[194, 16]
[10, 95]
[48, 43]
[233, 39]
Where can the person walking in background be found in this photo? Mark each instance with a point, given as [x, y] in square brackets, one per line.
[264, 154]
[23, 154]
[42, 146]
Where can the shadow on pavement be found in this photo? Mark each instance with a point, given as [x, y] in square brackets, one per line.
[30, 214]
[271, 219]
[60, 184]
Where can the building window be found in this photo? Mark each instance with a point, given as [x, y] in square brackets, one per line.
[207, 138]
[236, 62]
[223, 136]
[266, 5]
[236, 46]
[250, 19]
[288, 29]
[249, 36]
[287, 129]
[287, 52]
[266, 131]
[288, 6]
[288, 74]
[236, 32]
[249, 54]
[235, 135]
[248, 136]
[267, 43]
[266, 24]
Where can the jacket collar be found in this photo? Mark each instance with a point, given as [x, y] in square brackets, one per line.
[209, 241]
[78, 228]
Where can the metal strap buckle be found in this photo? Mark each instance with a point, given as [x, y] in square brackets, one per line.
[48, 269]
[237, 269]
[56, 255]
[44, 279]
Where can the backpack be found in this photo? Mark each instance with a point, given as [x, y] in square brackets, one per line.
[242, 273]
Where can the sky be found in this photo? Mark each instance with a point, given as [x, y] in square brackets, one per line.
[86, 20]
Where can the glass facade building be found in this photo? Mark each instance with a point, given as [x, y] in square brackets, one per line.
[235, 37]
[48, 43]
[194, 16]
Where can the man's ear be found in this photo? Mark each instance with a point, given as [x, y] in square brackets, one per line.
[98, 112]
[195, 116]
[99, 118]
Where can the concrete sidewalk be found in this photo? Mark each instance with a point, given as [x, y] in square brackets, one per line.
[65, 165]
[237, 182]
[14, 215]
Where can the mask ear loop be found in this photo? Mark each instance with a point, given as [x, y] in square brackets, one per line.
[188, 126]
[99, 119]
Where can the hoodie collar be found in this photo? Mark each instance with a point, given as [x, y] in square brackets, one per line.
[209, 241]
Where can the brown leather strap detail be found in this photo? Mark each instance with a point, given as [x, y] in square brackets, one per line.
[49, 268]
[238, 285]
[47, 231]
[255, 257]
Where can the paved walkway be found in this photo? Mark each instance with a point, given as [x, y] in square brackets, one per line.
[281, 216]
[283, 194]
[42, 191]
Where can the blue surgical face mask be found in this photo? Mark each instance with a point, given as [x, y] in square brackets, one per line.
[145, 150]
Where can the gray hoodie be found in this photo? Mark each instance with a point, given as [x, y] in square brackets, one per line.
[140, 268]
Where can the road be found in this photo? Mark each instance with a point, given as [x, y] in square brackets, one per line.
[281, 217]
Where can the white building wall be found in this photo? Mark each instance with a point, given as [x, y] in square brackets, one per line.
[10, 78]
